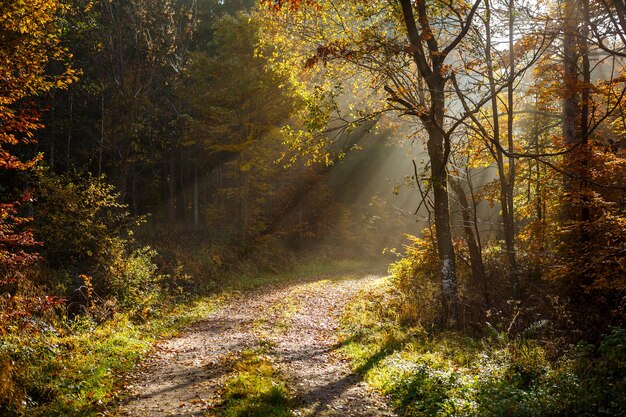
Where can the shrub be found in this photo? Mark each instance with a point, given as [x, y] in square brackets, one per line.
[134, 279]
[416, 276]
[78, 217]
[89, 248]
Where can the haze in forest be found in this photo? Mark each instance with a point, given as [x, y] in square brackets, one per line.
[324, 208]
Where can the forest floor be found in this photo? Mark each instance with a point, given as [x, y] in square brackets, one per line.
[283, 336]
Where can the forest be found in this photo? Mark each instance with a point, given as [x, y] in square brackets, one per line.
[281, 208]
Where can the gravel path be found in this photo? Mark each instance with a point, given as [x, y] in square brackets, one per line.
[299, 321]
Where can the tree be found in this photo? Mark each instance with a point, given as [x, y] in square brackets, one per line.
[432, 68]
[231, 124]
[121, 118]
[405, 49]
[30, 48]
[504, 71]
[593, 162]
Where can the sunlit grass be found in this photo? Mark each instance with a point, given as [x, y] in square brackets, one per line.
[257, 389]
[448, 374]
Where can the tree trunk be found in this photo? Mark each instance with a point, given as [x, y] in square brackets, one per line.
[101, 147]
[123, 180]
[506, 181]
[509, 221]
[52, 135]
[571, 110]
[445, 248]
[196, 199]
[245, 205]
[438, 144]
[171, 182]
[135, 205]
[476, 259]
[585, 213]
[183, 181]
[69, 129]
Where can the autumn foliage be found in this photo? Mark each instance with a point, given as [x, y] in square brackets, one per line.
[32, 63]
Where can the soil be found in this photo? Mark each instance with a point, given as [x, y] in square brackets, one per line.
[297, 322]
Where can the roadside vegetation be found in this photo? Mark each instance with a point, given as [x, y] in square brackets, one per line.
[58, 366]
[497, 372]
[76, 367]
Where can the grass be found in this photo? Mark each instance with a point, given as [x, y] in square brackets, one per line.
[448, 374]
[247, 279]
[77, 368]
[257, 389]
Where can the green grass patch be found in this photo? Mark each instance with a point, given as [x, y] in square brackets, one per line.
[257, 389]
[448, 374]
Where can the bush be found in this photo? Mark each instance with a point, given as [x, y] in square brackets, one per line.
[77, 217]
[88, 246]
[134, 279]
[416, 276]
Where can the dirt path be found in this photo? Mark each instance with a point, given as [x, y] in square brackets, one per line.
[299, 321]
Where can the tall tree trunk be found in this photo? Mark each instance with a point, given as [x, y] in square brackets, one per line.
[245, 204]
[135, 204]
[431, 69]
[538, 176]
[69, 129]
[52, 135]
[183, 202]
[575, 113]
[509, 221]
[443, 231]
[101, 147]
[171, 182]
[585, 213]
[476, 259]
[571, 111]
[123, 180]
[506, 181]
[196, 199]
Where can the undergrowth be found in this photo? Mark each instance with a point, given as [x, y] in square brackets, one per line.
[448, 374]
[75, 369]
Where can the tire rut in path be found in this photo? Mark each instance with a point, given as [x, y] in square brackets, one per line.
[184, 376]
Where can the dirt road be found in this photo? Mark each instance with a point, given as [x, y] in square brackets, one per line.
[298, 321]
